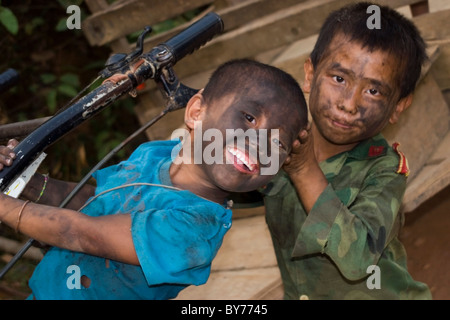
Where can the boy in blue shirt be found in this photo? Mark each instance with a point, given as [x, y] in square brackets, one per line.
[154, 222]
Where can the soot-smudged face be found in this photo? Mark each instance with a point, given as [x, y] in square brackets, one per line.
[354, 92]
[258, 131]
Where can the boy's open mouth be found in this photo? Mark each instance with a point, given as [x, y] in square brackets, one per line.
[242, 161]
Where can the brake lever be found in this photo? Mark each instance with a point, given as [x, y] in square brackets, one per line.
[176, 93]
[120, 62]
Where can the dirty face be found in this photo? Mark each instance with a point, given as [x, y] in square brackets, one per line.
[354, 92]
[258, 131]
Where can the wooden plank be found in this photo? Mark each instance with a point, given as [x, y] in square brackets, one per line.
[434, 177]
[129, 16]
[232, 285]
[441, 68]
[294, 57]
[119, 44]
[247, 245]
[249, 10]
[422, 126]
[13, 246]
[434, 26]
[149, 106]
[273, 291]
[245, 263]
[271, 31]
[96, 5]
[233, 17]
[125, 17]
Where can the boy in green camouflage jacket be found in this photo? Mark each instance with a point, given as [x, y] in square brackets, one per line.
[334, 212]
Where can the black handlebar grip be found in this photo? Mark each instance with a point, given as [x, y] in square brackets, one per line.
[8, 79]
[194, 36]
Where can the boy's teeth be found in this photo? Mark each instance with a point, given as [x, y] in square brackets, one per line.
[241, 157]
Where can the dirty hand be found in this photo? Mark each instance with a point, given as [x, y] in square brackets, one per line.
[302, 153]
[7, 154]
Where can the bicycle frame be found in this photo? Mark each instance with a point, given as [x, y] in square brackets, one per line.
[123, 73]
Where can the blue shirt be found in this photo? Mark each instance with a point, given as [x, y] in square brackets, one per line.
[176, 235]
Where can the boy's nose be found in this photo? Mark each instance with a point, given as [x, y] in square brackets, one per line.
[348, 108]
[349, 103]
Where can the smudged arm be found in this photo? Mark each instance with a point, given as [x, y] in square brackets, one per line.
[104, 236]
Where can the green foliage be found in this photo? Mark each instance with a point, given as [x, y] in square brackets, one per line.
[9, 20]
[66, 85]
[54, 64]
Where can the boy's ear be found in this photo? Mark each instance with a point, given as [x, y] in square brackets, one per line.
[309, 75]
[402, 105]
[194, 110]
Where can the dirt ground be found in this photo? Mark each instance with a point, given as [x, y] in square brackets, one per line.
[426, 236]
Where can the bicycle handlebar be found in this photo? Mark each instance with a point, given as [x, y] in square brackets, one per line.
[195, 36]
[168, 53]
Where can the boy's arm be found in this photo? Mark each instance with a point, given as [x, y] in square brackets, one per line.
[304, 170]
[52, 191]
[354, 235]
[104, 236]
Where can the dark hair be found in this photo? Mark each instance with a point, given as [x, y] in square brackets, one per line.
[240, 76]
[397, 36]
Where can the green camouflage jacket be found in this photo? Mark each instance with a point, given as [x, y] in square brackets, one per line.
[347, 246]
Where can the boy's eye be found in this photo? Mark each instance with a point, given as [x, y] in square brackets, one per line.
[250, 118]
[373, 92]
[338, 79]
[278, 143]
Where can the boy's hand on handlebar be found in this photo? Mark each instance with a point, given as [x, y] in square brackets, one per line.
[7, 154]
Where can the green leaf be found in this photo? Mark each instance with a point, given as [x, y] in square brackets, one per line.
[48, 78]
[70, 79]
[51, 100]
[30, 26]
[61, 25]
[67, 90]
[9, 20]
